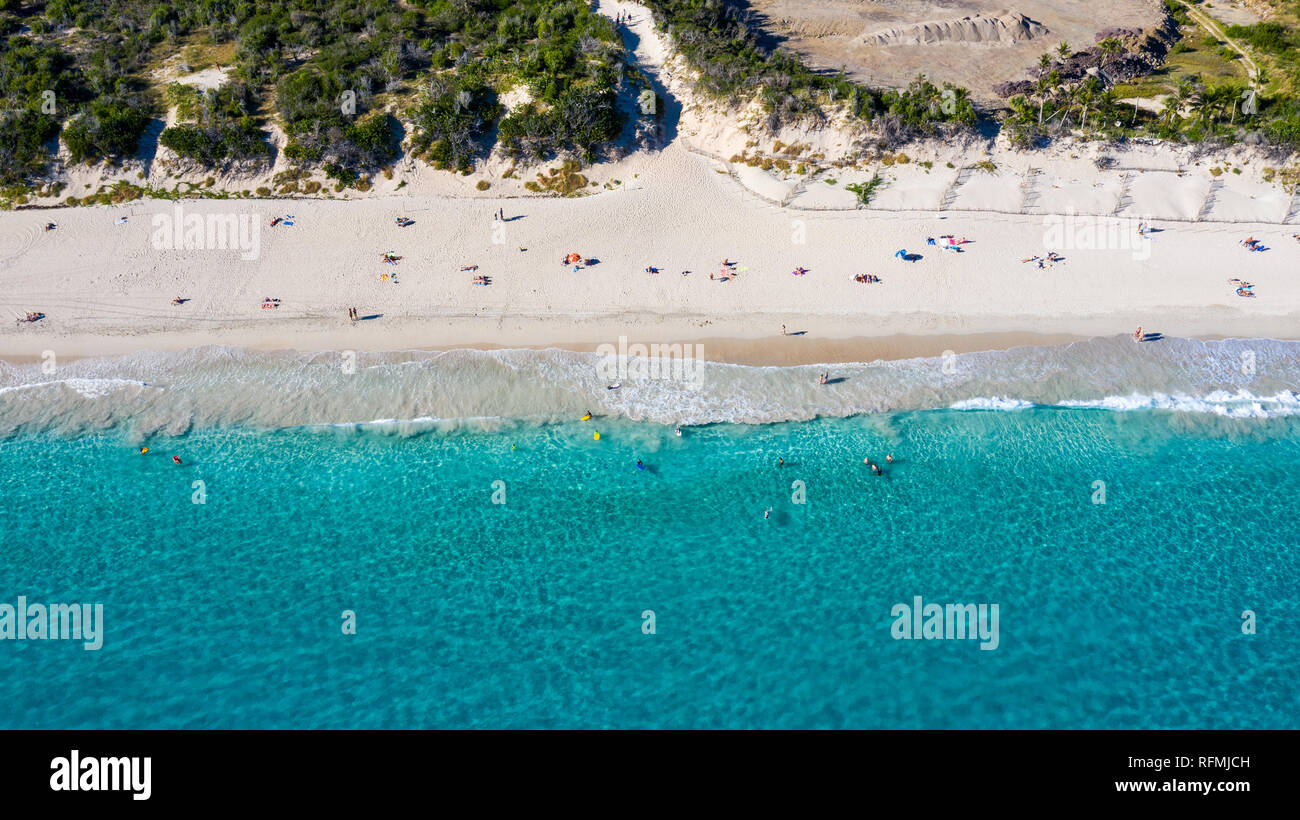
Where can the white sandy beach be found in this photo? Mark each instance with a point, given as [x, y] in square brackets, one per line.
[106, 287]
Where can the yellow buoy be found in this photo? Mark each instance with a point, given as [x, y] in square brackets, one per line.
[144, 450]
[587, 417]
[596, 436]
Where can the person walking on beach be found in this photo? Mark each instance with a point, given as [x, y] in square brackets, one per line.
[782, 330]
[1137, 334]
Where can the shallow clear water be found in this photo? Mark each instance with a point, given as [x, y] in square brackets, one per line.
[529, 613]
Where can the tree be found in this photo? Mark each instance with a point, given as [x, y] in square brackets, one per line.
[1110, 49]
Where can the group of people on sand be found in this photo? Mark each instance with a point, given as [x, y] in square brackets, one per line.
[1043, 261]
[270, 304]
[1250, 243]
[32, 317]
[867, 279]
[1244, 288]
[953, 243]
[578, 262]
[726, 272]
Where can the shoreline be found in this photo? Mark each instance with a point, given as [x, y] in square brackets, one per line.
[753, 351]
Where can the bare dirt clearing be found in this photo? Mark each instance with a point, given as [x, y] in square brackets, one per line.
[973, 43]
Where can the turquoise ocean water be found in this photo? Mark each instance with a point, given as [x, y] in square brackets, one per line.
[529, 613]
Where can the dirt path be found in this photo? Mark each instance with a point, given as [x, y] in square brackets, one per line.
[1212, 26]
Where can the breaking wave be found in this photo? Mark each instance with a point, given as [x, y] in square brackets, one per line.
[174, 392]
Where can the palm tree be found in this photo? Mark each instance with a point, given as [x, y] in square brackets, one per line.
[1087, 92]
[1110, 48]
[1223, 98]
[1201, 103]
[1063, 50]
[1170, 114]
[1040, 91]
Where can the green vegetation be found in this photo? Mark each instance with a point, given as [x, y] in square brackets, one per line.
[866, 190]
[350, 81]
[327, 71]
[216, 125]
[565, 180]
[451, 123]
[1270, 37]
[1203, 92]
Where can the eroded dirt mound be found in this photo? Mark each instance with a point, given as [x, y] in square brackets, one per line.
[1005, 29]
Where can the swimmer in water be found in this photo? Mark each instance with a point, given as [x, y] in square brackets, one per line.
[780, 462]
[679, 432]
[144, 450]
[767, 513]
[639, 465]
[889, 459]
[176, 459]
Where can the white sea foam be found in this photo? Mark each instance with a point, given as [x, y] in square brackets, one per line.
[86, 388]
[994, 403]
[412, 391]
